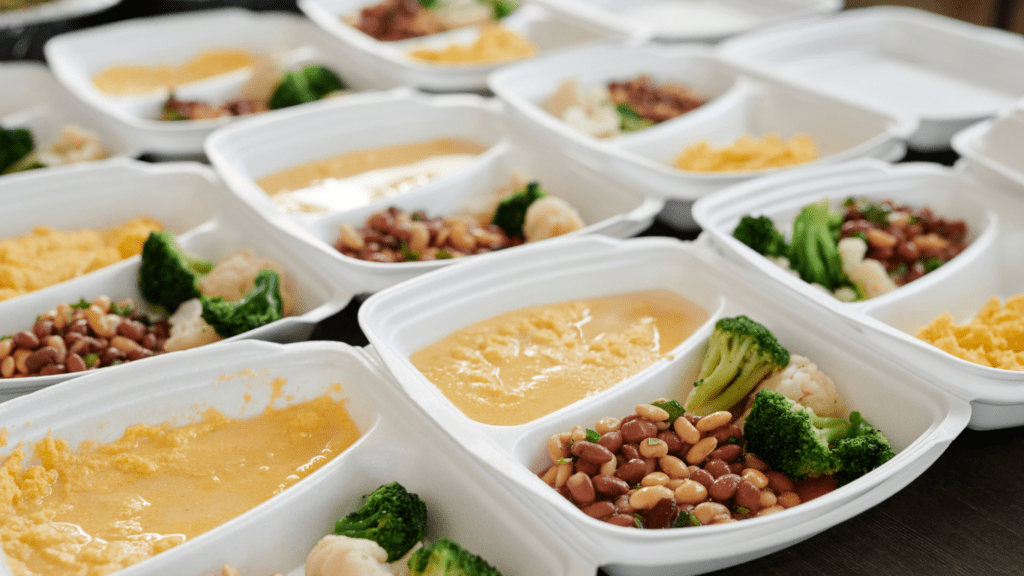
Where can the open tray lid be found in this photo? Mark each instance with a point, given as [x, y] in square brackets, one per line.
[946, 73]
[992, 148]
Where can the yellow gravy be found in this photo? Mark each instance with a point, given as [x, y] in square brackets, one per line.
[103, 507]
[525, 364]
[130, 79]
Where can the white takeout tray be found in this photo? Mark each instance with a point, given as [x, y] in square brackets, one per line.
[76, 57]
[397, 443]
[945, 72]
[55, 10]
[33, 99]
[992, 148]
[304, 135]
[737, 105]
[919, 420]
[189, 200]
[691, 20]
[548, 31]
[887, 323]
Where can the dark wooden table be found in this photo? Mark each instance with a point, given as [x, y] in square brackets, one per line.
[963, 516]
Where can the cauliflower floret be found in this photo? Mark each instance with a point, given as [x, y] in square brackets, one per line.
[459, 13]
[75, 144]
[548, 217]
[344, 556]
[802, 382]
[593, 112]
[868, 274]
[188, 329]
[235, 276]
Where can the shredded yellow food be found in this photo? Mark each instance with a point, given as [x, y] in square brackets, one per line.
[495, 44]
[46, 256]
[748, 153]
[993, 338]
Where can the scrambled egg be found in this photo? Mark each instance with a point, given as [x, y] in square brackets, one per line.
[47, 256]
[748, 153]
[495, 44]
[993, 338]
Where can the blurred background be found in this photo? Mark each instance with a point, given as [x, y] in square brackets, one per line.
[1006, 14]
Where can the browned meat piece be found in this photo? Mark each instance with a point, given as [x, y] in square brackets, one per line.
[653, 102]
[397, 20]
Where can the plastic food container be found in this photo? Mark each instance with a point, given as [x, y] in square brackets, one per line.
[397, 443]
[887, 324]
[691, 20]
[944, 72]
[322, 131]
[292, 41]
[738, 105]
[547, 31]
[919, 420]
[189, 200]
[54, 10]
[33, 99]
[990, 148]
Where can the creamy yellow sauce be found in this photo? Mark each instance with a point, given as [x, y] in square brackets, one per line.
[130, 79]
[525, 364]
[47, 256]
[495, 44]
[103, 507]
[357, 178]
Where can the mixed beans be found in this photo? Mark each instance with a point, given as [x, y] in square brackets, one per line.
[908, 242]
[393, 235]
[648, 471]
[82, 336]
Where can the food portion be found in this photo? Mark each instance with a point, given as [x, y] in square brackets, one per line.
[865, 250]
[393, 20]
[495, 44]
[136, 79]
[270, 88]
[20, 4]
[993, 338]
[521, 365]
[102, 507]
[622, 106]
[18, 151]
[46, 256]
[670, 466]
[357, 178]
[386, 536]
[206, 303]
[748, 153]
[524, 214]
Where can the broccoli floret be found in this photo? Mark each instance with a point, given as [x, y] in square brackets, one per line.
[392, 517]
[511, 211]
[310, 84]
[814, 252]
[863, 449]
[169, 275]
[446, 558]
[502, 8]
[16, 144]
[630, 120]
[260, 306]
[795, 441]
[791, 438]
[761, 234]
[740, 353]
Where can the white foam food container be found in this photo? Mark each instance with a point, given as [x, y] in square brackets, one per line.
[288, 39]
[33, 99]
[548, 31]
[944, 72]
[919, 420]
[247, 151]
[992, 148]
[888, 323]
[692, 20]
[189, 200]
[53, 10]
[738, 105]
[397, 443]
